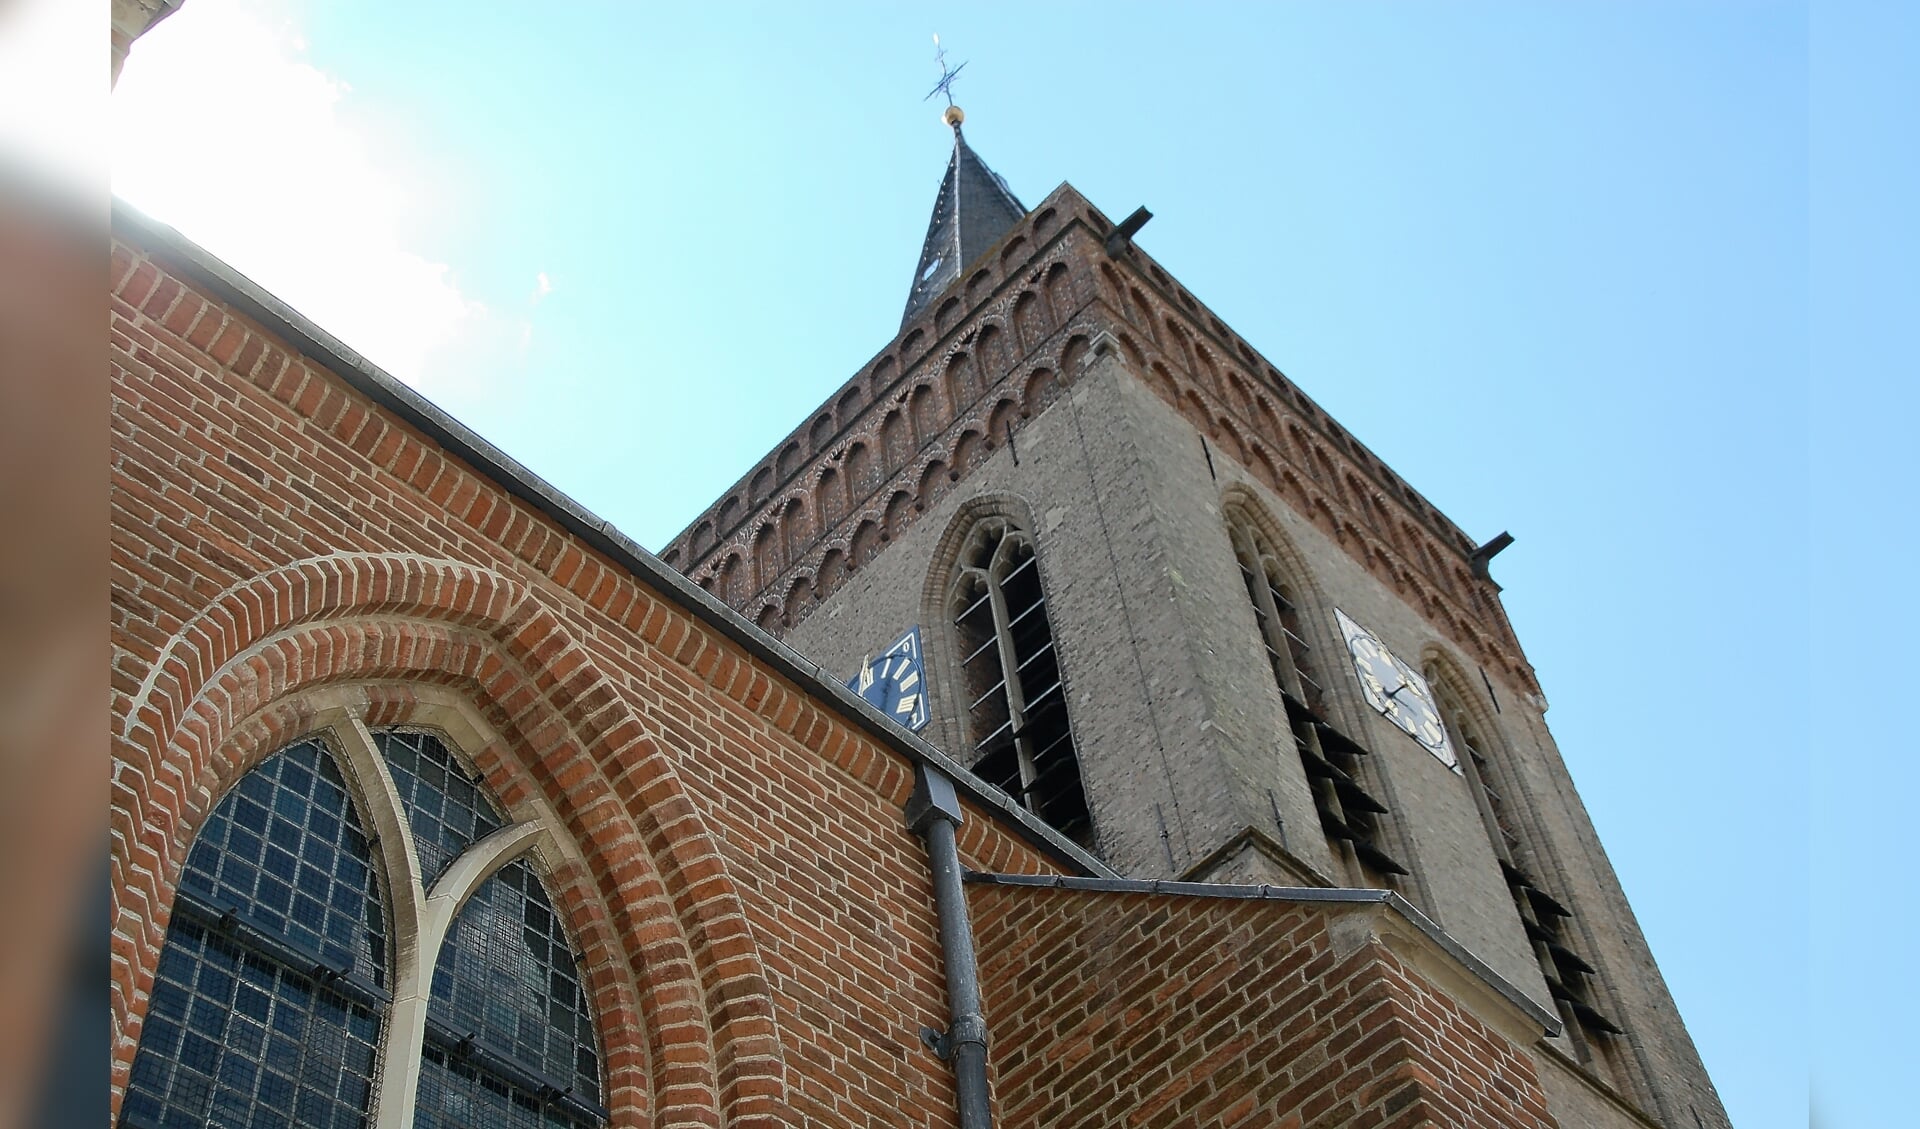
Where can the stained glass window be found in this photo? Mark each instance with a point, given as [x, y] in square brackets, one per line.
[271, 990]
[445, 807]
[266, 1003]
[510, 1039]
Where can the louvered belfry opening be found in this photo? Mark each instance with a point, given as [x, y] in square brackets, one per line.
[1549, 923]
[1016, 708]
[1349, 812]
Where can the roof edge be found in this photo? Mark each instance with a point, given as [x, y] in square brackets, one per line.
[516, 479]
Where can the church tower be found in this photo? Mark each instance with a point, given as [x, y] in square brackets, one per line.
[1096, 547]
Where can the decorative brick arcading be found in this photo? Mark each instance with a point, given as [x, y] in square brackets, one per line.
[935, 404]
[965, 375]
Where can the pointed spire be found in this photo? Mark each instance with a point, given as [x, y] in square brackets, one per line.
[972, 212]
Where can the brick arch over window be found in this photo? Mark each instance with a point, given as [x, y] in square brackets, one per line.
[1238, 503]
[226, 692]
[971, 513]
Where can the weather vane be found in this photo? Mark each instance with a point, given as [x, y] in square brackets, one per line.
[952, 116]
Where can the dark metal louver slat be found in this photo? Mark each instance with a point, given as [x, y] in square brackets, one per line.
[1544, 903]
[1015, 616]
[1045, 649]
[992, 642]
[1317, 765]
[1567, 958]
[1337, 740]
[1593, 1019]
[1297, 708]
[1016, 571]
[1355, 798]
[1046, 753]
[991, 692]
[1335, 827]
[970, 609]
[992, 742]
[1048, 779]
[999, 768]
[1378, 859]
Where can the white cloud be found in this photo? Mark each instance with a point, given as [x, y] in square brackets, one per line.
[221, 128]
[542, 286]
[52, 70]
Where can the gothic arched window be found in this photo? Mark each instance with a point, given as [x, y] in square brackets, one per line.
[1349, 813]
[294, 988]
[1016, 716]
[1550, 924]
[267, 1002]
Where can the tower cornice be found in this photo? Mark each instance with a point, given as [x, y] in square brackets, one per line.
[778, 543]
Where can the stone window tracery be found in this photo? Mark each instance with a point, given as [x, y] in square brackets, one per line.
[359, 938]
[1015, 713]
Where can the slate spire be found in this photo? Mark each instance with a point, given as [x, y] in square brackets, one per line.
[973, 210]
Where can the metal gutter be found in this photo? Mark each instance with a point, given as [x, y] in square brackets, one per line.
[248, 297]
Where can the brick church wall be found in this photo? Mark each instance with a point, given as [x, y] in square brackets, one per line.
[755, 920]
[1147, 1010]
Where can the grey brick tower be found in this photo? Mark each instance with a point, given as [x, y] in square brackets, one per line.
[1180, 613]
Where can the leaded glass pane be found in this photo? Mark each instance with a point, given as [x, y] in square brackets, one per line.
[263, 1013]
[508, 984]
[446, 809]
[454, 1094]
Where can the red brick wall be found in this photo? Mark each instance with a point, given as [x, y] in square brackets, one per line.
[1146, 1010]
[755, 920]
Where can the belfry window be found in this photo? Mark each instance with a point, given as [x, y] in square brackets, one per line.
[1349, 813]
[1016, 713]
[1549, 923]
[274, 1001]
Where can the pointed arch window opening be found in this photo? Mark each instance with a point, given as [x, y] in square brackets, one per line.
[252, 1006]
[1016, 717]
[275, 993]
[1343, 797]
[1549, 924]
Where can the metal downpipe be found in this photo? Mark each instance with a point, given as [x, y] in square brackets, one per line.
[933, 813]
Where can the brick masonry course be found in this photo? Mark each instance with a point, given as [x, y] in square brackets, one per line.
[756, 922]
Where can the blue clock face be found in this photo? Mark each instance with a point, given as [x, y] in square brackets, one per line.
[894, 682]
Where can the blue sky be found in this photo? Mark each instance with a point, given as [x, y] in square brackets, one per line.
[1550, 261]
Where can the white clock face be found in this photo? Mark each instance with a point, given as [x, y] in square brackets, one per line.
[1396, 690]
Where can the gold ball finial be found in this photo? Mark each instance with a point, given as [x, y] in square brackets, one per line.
[953, 115]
